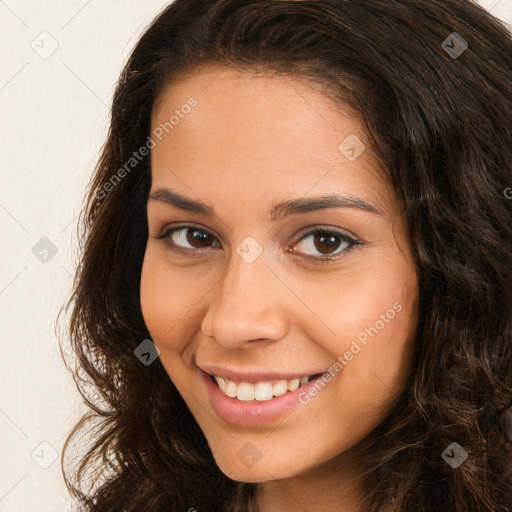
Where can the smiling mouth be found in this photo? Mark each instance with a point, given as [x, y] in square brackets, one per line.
[260, 391]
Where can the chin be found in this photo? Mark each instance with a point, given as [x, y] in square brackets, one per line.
[263, 470]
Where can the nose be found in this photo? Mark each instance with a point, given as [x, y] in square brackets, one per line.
[247, 306]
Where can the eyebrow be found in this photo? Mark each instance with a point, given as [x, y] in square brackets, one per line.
[278, 211]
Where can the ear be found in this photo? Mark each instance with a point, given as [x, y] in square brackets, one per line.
[503, 423]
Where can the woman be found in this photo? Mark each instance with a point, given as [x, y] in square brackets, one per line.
[295, 286]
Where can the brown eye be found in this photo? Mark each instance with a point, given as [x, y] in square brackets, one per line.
[327, 244]
[198, 238]
[188, 238]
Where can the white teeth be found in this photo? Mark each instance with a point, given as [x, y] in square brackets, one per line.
[261, 391]
[280, 388]
[231, 388]
[293, 384]
[245, 391]
[222, 383]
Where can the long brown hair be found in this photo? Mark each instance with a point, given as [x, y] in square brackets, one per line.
[431, 81]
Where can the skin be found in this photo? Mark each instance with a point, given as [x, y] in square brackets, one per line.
[269, 139]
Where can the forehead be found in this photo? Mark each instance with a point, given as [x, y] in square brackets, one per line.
[266, 132]
[249, 107]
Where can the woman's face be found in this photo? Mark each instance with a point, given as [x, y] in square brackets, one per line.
[243, 288]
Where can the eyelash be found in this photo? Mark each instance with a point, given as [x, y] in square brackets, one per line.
[352, 242]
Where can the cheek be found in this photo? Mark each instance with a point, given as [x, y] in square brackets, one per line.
[153, 302]
[366, 315]
[344, 306]
[166, 297]
[167, 307]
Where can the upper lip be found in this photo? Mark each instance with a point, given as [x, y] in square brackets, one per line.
[253, 375]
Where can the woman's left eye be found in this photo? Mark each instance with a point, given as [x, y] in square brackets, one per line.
[330, 244]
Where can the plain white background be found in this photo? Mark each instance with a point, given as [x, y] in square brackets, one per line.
[60, 62]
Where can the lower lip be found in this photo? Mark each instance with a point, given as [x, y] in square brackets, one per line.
[253, 413]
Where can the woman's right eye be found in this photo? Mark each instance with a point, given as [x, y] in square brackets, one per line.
[187, 238]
